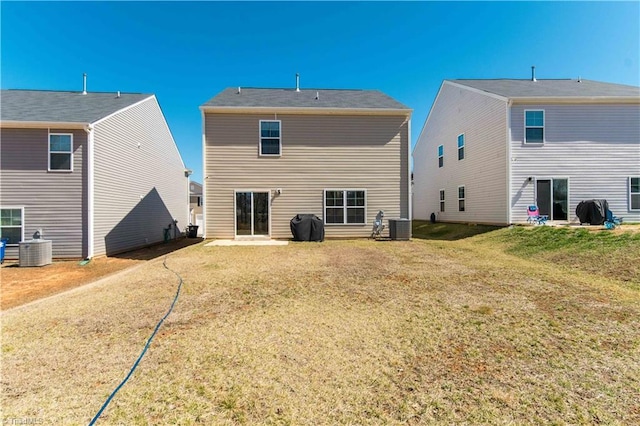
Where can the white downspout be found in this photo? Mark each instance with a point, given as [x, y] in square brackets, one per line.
[204, 176]
[410, 198]
[90, 190]
[509, 160]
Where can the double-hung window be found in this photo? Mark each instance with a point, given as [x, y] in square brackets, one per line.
[345, 206]
[461, 198]
[634, 193]
[440, 155]
[270, 137]
[61, 152]
[442, 200]
[11, 224]
[461, 147]
[534, 126]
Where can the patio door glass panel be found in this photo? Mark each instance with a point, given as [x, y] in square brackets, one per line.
[252, 213]
[552, 197]
[243, 213]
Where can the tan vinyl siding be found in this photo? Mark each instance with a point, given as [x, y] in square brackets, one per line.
[596, 146]
[140, 185]
[483, 171]
[318, 152]
[52, 201]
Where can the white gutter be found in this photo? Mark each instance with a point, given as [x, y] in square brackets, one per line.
[304, 110]
[41, 124]
[508, 139]
[91, 190]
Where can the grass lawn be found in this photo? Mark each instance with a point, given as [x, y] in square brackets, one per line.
[510, 326]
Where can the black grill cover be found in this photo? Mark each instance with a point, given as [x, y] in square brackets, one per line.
[307, 227]
[593, 212]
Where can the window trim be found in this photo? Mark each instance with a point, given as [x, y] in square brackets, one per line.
[544, 133]
[440, 156]
[21, 208]
[49, 152]
[345, 207]
[463, 198]
[461, 148]
[631, 194]
[260, 137]
[442, 200]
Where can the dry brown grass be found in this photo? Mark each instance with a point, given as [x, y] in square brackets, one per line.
[342, 332]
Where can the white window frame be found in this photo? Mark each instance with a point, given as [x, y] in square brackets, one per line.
[21, 220]
[442, 199]
[440, 156]
[345, 207]
[260, 138]
[544, 133]
[461, 147]
[631, 194]
[59, 152]
[463, 198]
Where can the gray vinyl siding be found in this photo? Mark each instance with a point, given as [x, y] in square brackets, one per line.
[53, 201]
[318, 152]
[596, 146]
[139, 180]
[483, 171]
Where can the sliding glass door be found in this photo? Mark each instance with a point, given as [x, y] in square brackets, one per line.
[252, 213]
[552, 197]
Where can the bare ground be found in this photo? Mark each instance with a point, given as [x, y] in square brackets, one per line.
[23, 285]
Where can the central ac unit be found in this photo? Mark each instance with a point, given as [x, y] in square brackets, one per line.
[35, 252]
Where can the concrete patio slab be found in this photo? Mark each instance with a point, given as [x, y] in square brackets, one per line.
[247, 243]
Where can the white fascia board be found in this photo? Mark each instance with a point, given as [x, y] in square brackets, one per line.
[307, 111]
[42, 124]
[123, 109]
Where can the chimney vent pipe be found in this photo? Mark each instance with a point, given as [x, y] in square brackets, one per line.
[297, 82]
[533, 73]
[84, 83]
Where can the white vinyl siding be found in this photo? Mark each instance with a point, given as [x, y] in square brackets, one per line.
[137, 199]
[60, 152]
[12, 224]
[322, 152]
[597, 147]
[483, 121]
[634, 193]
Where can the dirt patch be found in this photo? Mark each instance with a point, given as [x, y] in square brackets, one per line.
[24, 285]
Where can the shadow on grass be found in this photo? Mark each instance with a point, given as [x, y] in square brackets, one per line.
[448, 231]
[157, 250]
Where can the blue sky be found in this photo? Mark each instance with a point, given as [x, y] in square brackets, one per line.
[186, 53]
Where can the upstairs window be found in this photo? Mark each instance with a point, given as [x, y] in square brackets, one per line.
[442, 200]
[60, 152]
[534, 126]
[634, 193]
[270, 137]
[461, 147]
[11, 224]
[440, 155]
[345, 206]
[461, 198]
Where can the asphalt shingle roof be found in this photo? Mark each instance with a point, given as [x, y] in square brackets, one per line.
[552, 88]
[67, 107]
[305, 98]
